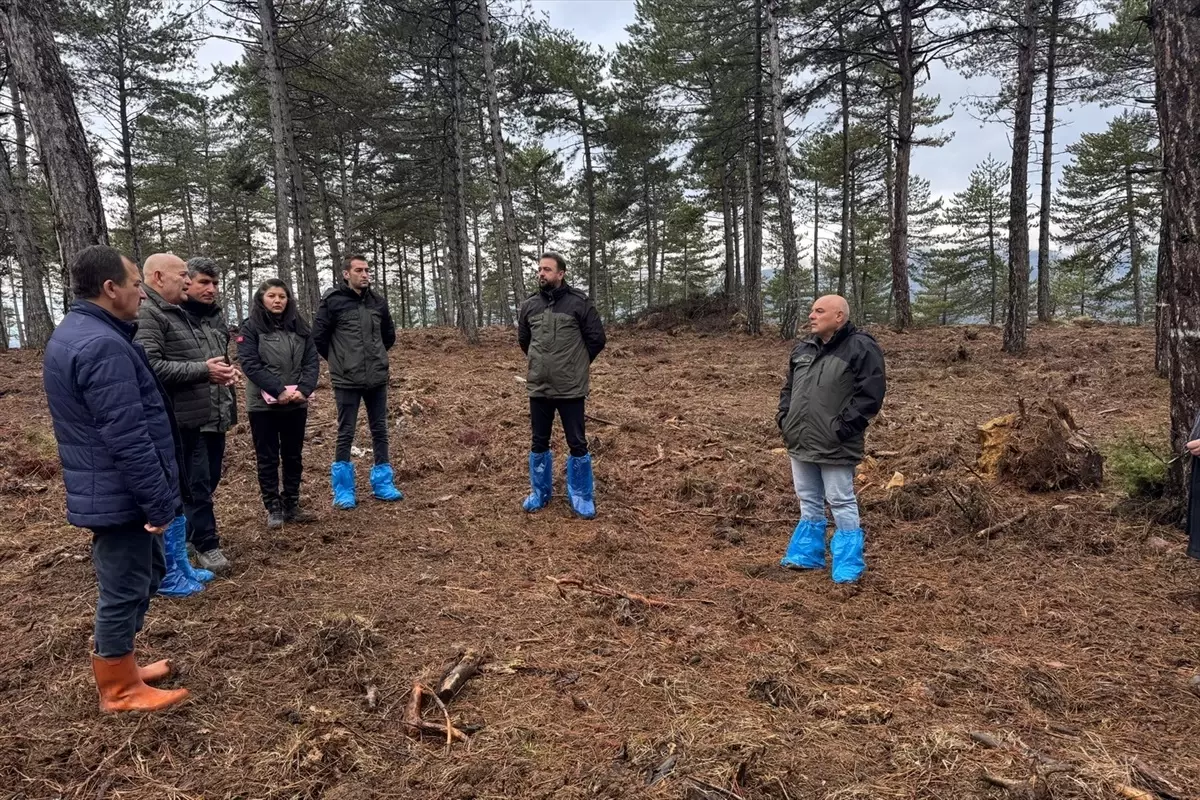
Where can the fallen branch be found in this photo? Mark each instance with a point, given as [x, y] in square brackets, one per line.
[987, 532]
[1132, 792]
[604, 591]
[647, 464]
[1154, 779]
[458, 675]
[1009, 784]
[598, 420]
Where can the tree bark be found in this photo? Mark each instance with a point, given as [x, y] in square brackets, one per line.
[462, 272]
[651, 236]
[844, 262]
[14, 194]
[787, 229]
[335, 252]
[70, 173]
[277, 97]
[905, 70]
[754, 304]
[1017, 319]
[590, 182]
[1176, 31]
[1135, 256]
[1043, 265]
[509, 235]
[727, 231]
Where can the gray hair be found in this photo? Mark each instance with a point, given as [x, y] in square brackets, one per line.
[202, 265]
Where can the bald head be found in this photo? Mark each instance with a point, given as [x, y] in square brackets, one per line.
[829, 314]
[167, 274]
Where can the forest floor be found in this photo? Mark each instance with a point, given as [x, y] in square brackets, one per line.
[1057, 654]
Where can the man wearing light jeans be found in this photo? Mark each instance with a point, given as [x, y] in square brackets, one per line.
[835, 385]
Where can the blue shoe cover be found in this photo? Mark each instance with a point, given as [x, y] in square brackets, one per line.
[580, 486]
[382, 483]
[184, 563]
[541, 481]
[806, 550]
[176, 583]
[847, 550]
[341, 477]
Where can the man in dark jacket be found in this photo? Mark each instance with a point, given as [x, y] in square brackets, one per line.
[204, 470]
[561, 334]
[353, 331]
[183, 365]
[835, 385]
[118, 451]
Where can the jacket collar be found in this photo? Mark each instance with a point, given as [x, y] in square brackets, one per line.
[555, 294]
[842, 334]
[346, 290]
[156, 298]
[198, 309]
[89, 309]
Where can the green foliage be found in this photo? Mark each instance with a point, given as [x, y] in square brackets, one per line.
[1139, 468]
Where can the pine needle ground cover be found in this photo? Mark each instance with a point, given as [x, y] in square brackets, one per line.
[1003, 643]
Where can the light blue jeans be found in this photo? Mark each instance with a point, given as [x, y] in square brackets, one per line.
[817, 484]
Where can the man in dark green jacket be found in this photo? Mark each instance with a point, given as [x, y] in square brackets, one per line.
[353, 331]
[835, 385]
[561, 334]
[179, 359]
[204, 467]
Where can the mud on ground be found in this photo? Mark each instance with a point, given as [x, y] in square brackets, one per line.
[1051, 654]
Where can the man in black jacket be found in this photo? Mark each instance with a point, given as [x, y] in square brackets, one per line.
[181, 362]
[561, 334]
[353, 331]
[835, 385]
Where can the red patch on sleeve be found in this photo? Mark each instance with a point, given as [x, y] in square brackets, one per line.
[241, 339]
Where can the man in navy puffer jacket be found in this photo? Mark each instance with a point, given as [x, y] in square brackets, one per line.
[118, 445]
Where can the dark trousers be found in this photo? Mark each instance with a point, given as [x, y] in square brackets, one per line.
[202, 457]
[541, 419]
[130, 564]
[276, 433]
[348, 401]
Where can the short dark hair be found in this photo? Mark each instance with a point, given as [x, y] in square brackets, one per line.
[92, 267]
[202, 265]
[558, 259]
[350, 259]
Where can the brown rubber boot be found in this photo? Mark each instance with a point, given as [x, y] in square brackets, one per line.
[122, 689]
[153, 673]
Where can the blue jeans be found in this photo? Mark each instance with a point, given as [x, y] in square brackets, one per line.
[817, 484]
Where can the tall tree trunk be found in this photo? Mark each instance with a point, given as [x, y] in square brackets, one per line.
[509, 234]
[902, 317]
[1162, 311]
[335, 252]
[272, 73]
[754, 305]
[816, 265]
[844, 262]
[5, 333]
[478, 265]
[424, 290]
[135, 234]
[1176, 30]
[66, 160]
[589, 175]
[1043, 265]
[15, 207]
[787, 230]
[1135, 255]
[308, 268]
[14, 201]
[993, 262]
[1018, 212]
[402, 260]
[651, 236]
[727, 231]
[462, 270]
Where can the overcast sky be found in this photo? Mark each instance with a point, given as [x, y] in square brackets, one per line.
[603, 22]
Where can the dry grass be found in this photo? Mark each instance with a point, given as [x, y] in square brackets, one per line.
[1062, 637]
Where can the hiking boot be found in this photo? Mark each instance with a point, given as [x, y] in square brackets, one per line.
[275, 518]
[214, 560]
[298, 515]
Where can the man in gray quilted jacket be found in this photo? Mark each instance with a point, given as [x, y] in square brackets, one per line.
[179, 357]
